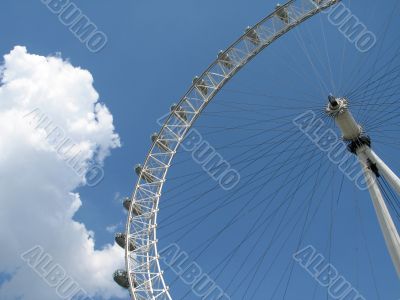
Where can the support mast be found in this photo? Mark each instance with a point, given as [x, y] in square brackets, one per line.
[373, 166]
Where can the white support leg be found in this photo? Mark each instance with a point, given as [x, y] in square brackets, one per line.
[387, 225]
[384, 170]
[351, 130]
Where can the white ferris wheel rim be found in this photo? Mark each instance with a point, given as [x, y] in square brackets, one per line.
[142, 264]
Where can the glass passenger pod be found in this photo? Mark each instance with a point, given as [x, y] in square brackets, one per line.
[178, 111]
[282, 13]
[200, 84]
[127, 203]
[252, 36]
[160, 142]
[120, 239]
[225, 60]
[144, 174]
[121, 278]
[137, 211]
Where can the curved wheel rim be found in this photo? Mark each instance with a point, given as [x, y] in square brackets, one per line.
[144, 271]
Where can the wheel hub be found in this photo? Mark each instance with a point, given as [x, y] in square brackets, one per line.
[352, 132]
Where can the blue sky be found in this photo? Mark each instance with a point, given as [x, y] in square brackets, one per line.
[154, 50]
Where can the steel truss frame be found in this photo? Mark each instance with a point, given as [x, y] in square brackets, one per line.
[142, 264]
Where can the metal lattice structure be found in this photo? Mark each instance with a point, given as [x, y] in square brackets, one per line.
[143, 271]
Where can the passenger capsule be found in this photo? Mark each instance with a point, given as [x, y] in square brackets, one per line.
[201, 85]
[135, 209]
[252, 35]
[144, 174]
[162, 144]
[120, 239]
[121, 278]
[127, 203]
[225, 60]
[282, 13]
[179, 112]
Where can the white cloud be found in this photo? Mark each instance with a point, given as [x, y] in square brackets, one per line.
[112, 228]
[37, 203]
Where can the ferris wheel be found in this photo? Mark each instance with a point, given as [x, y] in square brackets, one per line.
[143, 275]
